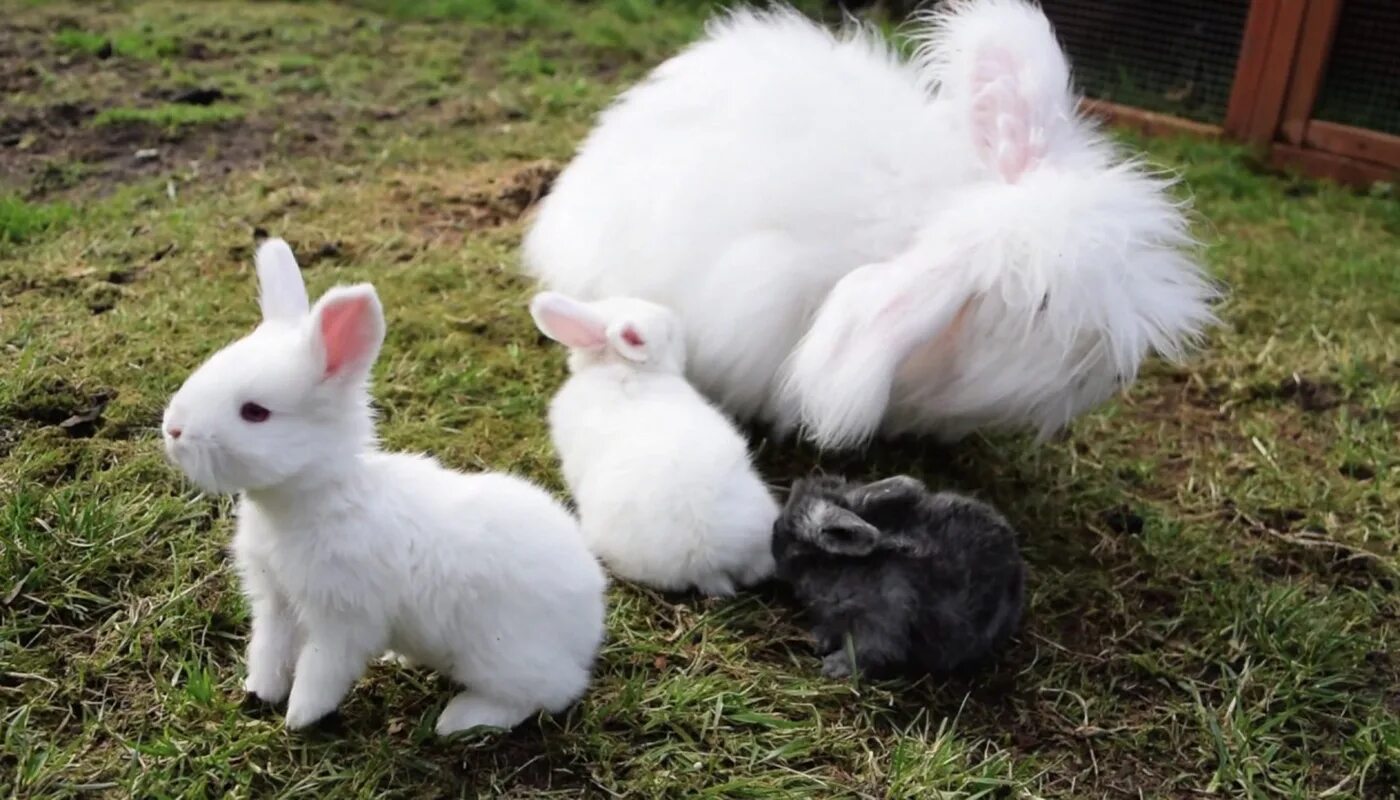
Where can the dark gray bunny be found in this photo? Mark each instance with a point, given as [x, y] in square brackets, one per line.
[919, 582]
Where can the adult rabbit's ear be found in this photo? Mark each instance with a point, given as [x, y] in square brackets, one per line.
[1001, 66]
[873, 320]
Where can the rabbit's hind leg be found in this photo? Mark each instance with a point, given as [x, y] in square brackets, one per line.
[469, 710]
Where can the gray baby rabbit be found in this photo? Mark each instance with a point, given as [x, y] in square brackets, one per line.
[919, 582]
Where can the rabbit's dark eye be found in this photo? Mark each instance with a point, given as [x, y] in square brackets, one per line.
[252, 412]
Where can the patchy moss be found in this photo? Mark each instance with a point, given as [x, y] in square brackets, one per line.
[143, 44]
[170, 115]
[21, 221]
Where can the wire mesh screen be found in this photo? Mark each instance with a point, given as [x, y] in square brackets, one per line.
[1173, 57]
[1362, 86]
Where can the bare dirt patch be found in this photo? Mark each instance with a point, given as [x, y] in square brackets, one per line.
[51, 148]
[52, 402]
[19, 50]
[1308, 394]
[452, 205]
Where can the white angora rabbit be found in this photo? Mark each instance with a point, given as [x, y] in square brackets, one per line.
[858, 244]
[345, 550]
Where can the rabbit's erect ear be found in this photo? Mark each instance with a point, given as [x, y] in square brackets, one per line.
[1006, 126]
[281, 291]
[568, 322]
[346, 331]
[1000, 66]
[842, 372]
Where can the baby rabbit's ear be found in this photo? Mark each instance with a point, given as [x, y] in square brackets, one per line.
[281, 291]
[901, 489]
[627, 339]
[346, 331]
[843, 532]
[568, 322]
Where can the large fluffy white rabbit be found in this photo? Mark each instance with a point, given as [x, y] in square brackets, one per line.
[858, 243]
[665, 490]
[345, 551]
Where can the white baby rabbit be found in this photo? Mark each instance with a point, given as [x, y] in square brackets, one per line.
[665, 490]
[345, 551]
[860, 243]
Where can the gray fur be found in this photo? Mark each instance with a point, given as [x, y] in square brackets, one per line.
[906, 580]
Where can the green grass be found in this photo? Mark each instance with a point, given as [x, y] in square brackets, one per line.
[130, 44]
[170, 115]
[1213, 604]
[20, 220]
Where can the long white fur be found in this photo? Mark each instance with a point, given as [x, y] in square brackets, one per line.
[859, 244]
[344, 551]
[666, 492]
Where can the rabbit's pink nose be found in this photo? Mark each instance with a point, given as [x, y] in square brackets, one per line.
[173, 432]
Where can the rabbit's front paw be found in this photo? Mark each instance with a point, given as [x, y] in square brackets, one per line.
[272, 652]
[310, 702]
[326, 670]
[398, 659]
[717, 585]
[837, 665]
[267, 686]
[827, 638]
[306, 713]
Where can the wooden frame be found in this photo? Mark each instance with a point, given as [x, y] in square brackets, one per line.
[1322, 164]
[1257, 97]
[1315, 45]
[1149, 123]
[1281, 67]
[1354, 143]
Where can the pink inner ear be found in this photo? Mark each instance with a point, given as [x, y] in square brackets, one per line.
[632, 337]
[572, 329]
[346, 331]
[1003, 124]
